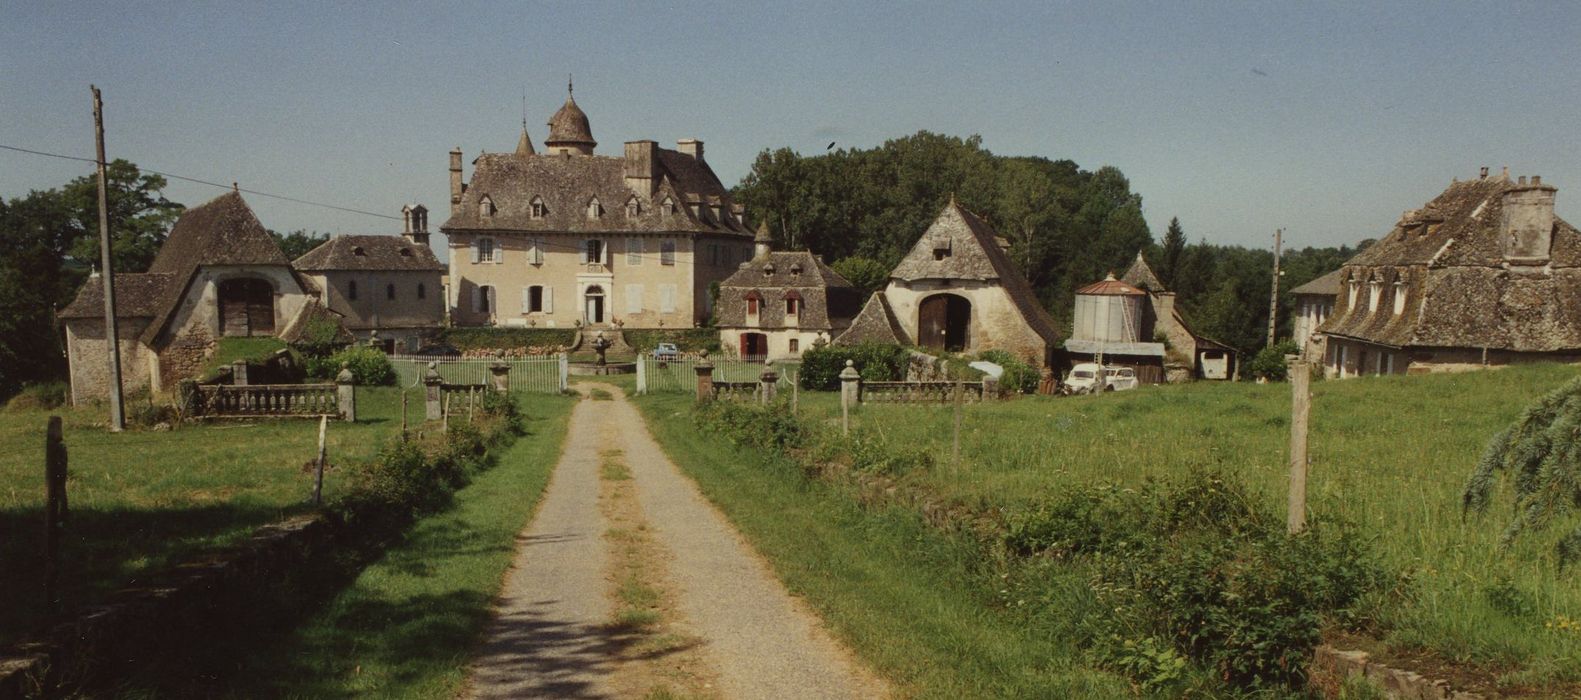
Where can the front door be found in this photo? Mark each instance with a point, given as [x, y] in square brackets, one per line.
[943, 322]
[594, 312]
[754, 345]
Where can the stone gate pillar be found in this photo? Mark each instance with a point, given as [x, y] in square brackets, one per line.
[767, 382]
[433, 387]
[501, 371]
[346, 394]
[850, 385]
[705, 378]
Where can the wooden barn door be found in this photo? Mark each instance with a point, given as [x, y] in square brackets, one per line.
[933, 321]
[246, 307]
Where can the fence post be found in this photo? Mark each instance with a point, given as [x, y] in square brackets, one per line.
[239, 373]
[705, 378]
[767, 382]
[323, 454]
[403, 414]
[433, 387]
[346, 394]
[1300, 410]
[990, 389]
[642, 375]
[565, 372]
[850, 384]
[54, 509]
[502, 375]
[444, 415]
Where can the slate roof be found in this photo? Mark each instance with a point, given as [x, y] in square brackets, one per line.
[828, 300]
[137, 295]
[375, 252]
[876, 323]
[569, 126]
[1459, 293]
[974, 254]
[1327, 285]
[1141, 276]
[566, 184]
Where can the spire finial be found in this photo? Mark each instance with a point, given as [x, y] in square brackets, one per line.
[570, 86]
[524, 109]
[235, 187]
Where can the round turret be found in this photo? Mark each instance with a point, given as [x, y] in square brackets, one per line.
[569, 131]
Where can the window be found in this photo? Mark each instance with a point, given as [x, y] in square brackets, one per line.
[668, 206]
[485, 206]
[481, 298]
[633, 208]
[422, 291]
[1399, 300]
[539, 211]
[633, 298]
[1350, 300]
[667, 298]
[1374, 291]
[483, 251]
[666, 252]
[633, 251]
[532, 299]
[792, 304]
[594, 211]
[351, 290]
[753, 299]
[535, 254]
[795, 346]
[593, 251]
[389, 292]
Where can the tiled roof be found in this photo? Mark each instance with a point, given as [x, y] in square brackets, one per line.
[566, 185]
[368, 253]
[972, 254]
[1448, 260]
[828, 300]
[569, 126]
[137, 295]
[876, 323]
[1327, 285]
[1141, 276]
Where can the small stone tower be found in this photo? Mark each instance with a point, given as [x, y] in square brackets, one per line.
[569, 132]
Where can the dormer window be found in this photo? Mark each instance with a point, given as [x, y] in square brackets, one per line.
[539, 210]
[485, 207]
[668, 206]
[941, 247]
[406, 252]
[358, 251]
[1374, 292]
[792, 303]
[594, 211]
[753, 301]
[795, 269]
[1350, 299]
[633, 207]
[1399, 297]
[768, 270]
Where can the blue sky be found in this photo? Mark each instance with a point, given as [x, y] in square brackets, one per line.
[1325, 119]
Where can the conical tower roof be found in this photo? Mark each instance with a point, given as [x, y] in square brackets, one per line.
[569, 127]
[524, 144]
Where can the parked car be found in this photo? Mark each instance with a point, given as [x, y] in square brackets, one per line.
[666, 351]
[1083, 378]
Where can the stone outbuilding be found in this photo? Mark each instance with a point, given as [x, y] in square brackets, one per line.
[569, 238]
[1186, 354]
[1314, 303]
[778, 305]
[388, 289]
[218, 274]
[957, 291]
[1484, 274]
[1110, 323]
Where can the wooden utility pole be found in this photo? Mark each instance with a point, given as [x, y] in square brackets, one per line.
[112, 339]
[1300, 410]
[323, 455]
[1273, 298]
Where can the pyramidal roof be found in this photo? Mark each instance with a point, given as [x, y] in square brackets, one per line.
[876, 323]
[221, 231]
[1141, 276]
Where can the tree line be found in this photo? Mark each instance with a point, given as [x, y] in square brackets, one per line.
[862, 209]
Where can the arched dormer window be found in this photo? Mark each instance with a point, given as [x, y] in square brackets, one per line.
[594, 210]
[358, 251]
[539, 209]
[1354, 287]
[1399, 297]
[1374, 293]
[633, 207]
[668, 206]
[792, 303]
[485, 207]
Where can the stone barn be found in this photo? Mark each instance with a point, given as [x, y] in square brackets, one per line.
[1186, 354]
[1484, 274]
[957, 291]
[218, 274]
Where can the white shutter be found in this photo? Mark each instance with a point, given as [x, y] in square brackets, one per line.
[548, 299]
[609, 252]
[633, 298]
[666, 298]
[499, 252]
[582, 252]
[633, 251]
[476, 253]
[477, 299]
[526, 299]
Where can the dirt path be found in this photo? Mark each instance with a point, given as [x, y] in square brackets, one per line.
[555, 635]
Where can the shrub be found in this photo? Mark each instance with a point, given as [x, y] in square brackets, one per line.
[504, 338]
[768, 428]
[685, 339]
[1020, 376]
[1270, 361]
[504, 407]
[369, 366]
[877, 362]
[41, 396]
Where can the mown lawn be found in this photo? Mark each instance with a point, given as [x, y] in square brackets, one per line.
[142, 500]
[1390, 454]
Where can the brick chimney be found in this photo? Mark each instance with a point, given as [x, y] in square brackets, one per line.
[1528, 222]
[457, 188]
[415, 229]
[642, 167]
[691, 147]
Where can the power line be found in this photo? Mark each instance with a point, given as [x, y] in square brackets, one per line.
[233, 185]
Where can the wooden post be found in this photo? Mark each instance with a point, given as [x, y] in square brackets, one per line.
[471, 402]
[955, 449]
[1300, 410]
[403, 415]
[112, 338]
[54, 509]
[323, 453]
[444, 425]
[796, 392]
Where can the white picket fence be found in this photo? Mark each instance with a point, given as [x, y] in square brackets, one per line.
[548, 374]
[681, 375]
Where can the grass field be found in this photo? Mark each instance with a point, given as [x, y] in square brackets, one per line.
[1390, 454]
[407, 625]
[142, 500]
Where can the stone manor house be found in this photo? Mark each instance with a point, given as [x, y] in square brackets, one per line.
[568, 238]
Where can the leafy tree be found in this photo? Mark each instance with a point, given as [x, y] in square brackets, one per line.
[866, 274]
[297, 243]
[1540, 449]
[140, 216]
[1174, 249]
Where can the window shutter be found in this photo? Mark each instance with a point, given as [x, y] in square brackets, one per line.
[477, 298]
[476, 252]
[526, 299]
[499, 251]
[548, 299]
[582, 251]
[609, 253]
[633, 298]
[667, 298]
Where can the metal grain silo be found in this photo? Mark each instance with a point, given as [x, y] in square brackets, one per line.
[1109, 311]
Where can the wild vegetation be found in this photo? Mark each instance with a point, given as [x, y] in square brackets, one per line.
[1065, 486]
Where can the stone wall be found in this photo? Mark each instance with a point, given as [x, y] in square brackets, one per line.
[996, 322]
[90, 368]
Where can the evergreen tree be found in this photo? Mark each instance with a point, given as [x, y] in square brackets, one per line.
[1174, 248]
